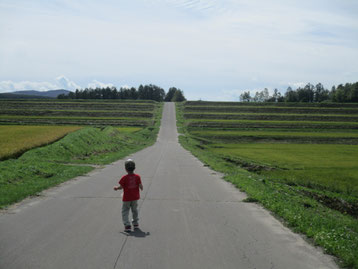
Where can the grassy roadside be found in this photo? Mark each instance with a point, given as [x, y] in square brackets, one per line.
[45, 167]
[335, 232]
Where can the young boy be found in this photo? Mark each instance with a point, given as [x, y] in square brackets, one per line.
[130, 183]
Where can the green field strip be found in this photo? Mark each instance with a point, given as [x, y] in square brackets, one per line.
[269, 114]
[270, 105]
[79, 101]
[129, 129]
[80, 107]
[273, 109]
[72, 118]
[212, 133]
[294, 155]
[75, 122]
[230, 124]
[268, 122]
[74, 110]
[76, 113]
[281, 130]
[266, 104]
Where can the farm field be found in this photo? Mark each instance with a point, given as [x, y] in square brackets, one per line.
[317, 165]
[298, 160]
[15, 139]
[46, 142]
[74, 112]
[300, 136]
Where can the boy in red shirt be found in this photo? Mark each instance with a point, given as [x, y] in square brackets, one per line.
[130, 183]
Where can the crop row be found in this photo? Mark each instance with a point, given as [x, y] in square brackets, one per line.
[271, 124]
[270, 109]
[66, 101]
[268, 137]
[273, 132]
[283, 104]
[76, 113]
[74, 121]
[77, 106]
[268, 116]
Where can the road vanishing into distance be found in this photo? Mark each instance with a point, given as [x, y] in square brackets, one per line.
[189, 218]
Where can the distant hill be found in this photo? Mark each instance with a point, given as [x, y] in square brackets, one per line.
[48, 94]
[22, 96]
[32, 94]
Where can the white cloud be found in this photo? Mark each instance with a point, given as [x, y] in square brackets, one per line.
[67, 84]
[97, 84]
[10, 86]
[232, 95]
[296, 84]
[60, 82]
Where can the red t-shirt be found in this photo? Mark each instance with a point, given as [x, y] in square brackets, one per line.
[130, 184]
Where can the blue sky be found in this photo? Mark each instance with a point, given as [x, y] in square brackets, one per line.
[212, 50]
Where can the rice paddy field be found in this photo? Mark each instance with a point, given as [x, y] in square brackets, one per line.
[298, 160]
[16, 139]
[314, 146]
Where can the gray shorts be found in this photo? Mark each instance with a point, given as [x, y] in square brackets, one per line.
[126, 207]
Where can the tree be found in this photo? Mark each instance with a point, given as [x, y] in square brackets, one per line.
[178, 96]
[353, 93]
[320, 93]
[245, 97]
[306, 94]
[277, 96]
[341, 94]
[291, 95]
[170, 94]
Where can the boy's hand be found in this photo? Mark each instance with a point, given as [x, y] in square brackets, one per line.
[115, 188]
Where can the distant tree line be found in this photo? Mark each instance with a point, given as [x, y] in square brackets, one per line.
[347, 93]
[146, 92]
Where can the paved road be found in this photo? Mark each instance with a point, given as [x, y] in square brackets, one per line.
[190, 218]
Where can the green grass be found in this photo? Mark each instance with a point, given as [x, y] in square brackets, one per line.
[129, 129]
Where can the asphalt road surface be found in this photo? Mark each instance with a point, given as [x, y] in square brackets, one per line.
[189, 218]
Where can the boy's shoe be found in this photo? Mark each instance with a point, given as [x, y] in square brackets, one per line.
[127, 229]
[135, 226]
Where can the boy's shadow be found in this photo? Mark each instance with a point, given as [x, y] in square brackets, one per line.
[137, 233]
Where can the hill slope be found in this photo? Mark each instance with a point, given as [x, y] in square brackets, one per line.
[33, 94]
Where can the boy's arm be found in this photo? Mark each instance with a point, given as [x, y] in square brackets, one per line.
[116, 188]
[141, 186]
